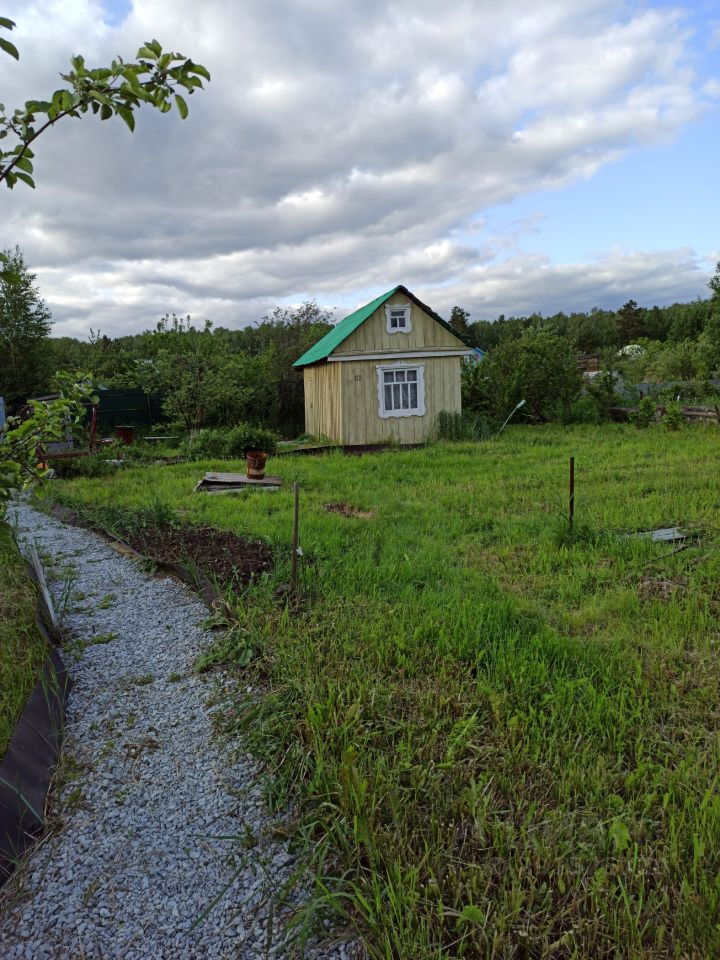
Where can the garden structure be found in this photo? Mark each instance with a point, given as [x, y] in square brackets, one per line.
[383, 373]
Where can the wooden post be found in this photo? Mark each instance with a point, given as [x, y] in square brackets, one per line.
[296, 514]
[572, 490]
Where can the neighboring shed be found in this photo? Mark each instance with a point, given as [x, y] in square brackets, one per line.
[383, 373]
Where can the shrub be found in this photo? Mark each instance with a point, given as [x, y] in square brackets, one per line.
[208, 443]
[246, 437]
[673, 418]
[538, 367]
[232, 443]
[645, 414]
[602, 390]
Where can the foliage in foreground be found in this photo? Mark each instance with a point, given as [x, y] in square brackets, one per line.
[502, 733]
[154, 79]
[22, 647]
[22, 439]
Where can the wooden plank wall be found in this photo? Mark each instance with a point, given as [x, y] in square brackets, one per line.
[323, 400]
[362, 422]
[373, 337]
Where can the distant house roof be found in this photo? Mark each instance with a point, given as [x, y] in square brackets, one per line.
[333, 338]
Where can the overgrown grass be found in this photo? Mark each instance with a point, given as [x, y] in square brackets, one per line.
[503, 733]
[22, 647]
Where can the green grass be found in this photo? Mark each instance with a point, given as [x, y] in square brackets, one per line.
[22, 648]
[503, 734]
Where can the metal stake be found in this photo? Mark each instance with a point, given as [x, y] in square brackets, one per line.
[572, 490]
[296, 514]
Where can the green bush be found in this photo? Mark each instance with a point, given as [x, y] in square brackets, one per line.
[246, 437]
[232, 443]
[673, 417]
[645, 414]
[602, 390]
[208, 443]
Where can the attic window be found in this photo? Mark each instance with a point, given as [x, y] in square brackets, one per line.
[399, 317]
[401, 390]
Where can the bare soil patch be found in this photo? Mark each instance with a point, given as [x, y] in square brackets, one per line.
[217, 553]
[346, 510]
[659, 588]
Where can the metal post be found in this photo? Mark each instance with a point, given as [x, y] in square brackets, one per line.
[572, 490]
[296, 514]
[93, 428]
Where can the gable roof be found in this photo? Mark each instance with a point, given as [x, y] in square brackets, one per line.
[333, 338]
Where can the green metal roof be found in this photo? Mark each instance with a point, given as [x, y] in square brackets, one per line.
[333, 338]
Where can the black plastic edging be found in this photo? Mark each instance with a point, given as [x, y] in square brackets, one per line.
[27, 768]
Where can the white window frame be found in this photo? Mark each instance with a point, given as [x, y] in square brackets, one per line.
[419, 411]
[407, 326]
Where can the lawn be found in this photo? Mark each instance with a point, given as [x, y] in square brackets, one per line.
[22, 647]
[503, 733]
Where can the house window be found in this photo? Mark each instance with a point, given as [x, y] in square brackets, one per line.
[398, 317]
[401, 390]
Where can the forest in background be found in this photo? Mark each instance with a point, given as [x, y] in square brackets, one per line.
[213, 376]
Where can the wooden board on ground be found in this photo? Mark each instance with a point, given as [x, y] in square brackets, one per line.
[225, 482]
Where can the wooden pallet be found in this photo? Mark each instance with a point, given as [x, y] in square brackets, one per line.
[227, 482]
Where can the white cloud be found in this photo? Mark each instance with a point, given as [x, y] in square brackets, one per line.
[339, 147]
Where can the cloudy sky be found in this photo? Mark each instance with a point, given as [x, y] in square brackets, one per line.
[507, 157]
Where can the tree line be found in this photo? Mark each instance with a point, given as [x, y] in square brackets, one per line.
[213, 376]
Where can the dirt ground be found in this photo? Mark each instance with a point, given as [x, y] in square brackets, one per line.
[217, 553]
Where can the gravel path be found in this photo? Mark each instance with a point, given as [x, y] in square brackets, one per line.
[146, 788]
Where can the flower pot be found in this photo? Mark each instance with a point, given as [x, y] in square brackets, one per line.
[256, 461]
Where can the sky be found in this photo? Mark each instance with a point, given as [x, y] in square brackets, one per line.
[507, 158]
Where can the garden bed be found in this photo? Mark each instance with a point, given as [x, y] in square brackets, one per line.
[219, 554]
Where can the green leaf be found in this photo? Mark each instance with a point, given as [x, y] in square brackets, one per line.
[165, 106]
[199, 69]
[22, 163]
[145, 52]
[36, 106]
[105, 112]
[127, 115]
[181, 105]
[155, 47]
[9, 48]
[132, 78]
[620, 835]
[8, 24]
[28, 180]
[472, 914]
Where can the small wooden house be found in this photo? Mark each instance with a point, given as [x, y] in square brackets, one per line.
[383, 373]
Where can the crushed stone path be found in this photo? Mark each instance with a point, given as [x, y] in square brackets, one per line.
[145, 790]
